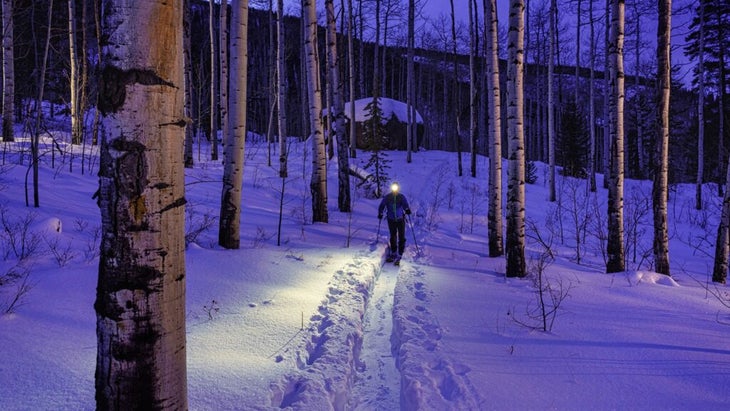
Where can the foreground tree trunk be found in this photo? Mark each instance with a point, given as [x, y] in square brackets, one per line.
[516, 266]
[8, 71]
[496, 246]
[318, 183]
[140, 300]
[235, 142]
[615, 246]
[660, 189]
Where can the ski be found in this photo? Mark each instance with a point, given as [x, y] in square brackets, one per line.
[396, 261]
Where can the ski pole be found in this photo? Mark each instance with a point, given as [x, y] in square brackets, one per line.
[413, 231]
[377, 236]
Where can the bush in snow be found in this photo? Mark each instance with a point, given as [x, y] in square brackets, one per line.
[14, 286]
[549, 295]
[16, 237]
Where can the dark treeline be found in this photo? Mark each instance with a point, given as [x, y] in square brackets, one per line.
[438, 99]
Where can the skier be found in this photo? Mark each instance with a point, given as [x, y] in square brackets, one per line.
[396, 207]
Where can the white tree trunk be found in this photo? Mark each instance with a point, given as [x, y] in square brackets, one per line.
[223, 69]
[318, 183]
[282, 88]
[140, 300]
[615, 244]
[516, 266]
[8, 72]
[660, 191]
[496, 244]
[76, 123]
[235, 142]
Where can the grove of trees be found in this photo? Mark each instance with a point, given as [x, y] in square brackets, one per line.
[148, 80]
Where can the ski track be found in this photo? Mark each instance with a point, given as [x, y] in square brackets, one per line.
[377, 383]
[430, 380]
[343, 360]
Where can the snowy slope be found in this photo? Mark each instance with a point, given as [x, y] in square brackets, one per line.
[296, 326]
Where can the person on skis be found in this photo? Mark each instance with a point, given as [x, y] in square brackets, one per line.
[395, 206]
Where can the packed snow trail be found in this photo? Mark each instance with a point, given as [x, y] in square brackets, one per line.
[328, 356]
[431, 380]
[377, 383]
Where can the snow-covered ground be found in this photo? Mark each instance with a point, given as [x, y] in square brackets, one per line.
[315, 324]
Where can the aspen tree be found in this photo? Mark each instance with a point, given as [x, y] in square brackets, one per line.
[660, 191]
[140, 298]
[235, 141]
[318, 183]
[337, 111]
[615, 242]
[496, 246]
[516, 266]
[281, 85]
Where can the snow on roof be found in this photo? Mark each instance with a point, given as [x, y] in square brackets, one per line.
[389, 106]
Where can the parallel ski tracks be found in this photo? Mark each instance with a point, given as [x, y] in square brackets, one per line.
[377, 383]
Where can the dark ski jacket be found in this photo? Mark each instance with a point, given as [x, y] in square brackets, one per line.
[395, 206]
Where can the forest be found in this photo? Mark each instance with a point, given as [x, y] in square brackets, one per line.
[140, 91]
[441, 76]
